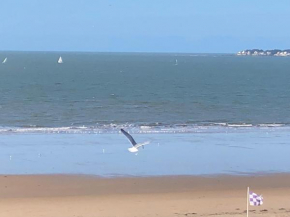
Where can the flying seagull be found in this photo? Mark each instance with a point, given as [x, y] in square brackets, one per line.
[135, 144]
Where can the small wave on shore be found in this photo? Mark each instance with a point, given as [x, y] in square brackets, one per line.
[153, 128]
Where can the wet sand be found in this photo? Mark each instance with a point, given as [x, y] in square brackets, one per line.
[87, 196]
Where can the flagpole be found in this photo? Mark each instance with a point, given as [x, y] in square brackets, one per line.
[248, 202]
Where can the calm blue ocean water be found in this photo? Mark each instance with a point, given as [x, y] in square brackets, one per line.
[101, 92]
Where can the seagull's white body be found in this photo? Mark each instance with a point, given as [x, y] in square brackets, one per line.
[133, 149]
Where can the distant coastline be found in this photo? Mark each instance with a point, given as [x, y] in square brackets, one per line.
[259, 52]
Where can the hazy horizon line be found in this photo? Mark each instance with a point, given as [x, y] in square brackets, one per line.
[154, 52]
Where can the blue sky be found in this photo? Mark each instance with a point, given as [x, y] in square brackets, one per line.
[195, 26]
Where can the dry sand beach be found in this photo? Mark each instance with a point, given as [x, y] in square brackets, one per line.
[88, 196]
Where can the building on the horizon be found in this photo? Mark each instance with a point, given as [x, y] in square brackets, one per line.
[259, 52]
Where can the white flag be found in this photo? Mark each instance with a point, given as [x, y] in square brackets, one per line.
[255, 200]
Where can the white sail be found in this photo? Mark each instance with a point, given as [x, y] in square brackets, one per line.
[60, 60]
[5, 60]
[176, 63]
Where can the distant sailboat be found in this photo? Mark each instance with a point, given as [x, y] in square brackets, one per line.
[60, 60]
[5, 60]
[176, 63]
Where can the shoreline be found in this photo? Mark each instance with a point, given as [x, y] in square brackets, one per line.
[82, 195]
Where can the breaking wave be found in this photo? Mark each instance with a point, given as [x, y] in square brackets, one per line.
[155, 128]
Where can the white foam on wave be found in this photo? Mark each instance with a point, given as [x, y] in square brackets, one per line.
[155, 129]
[240, 125]
[221, 124]
[145, 127]
[271, 125]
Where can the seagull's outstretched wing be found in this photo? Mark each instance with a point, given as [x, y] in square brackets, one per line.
[129, 137]
[142, 144]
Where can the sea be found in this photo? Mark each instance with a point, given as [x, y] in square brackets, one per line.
[204, 114]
